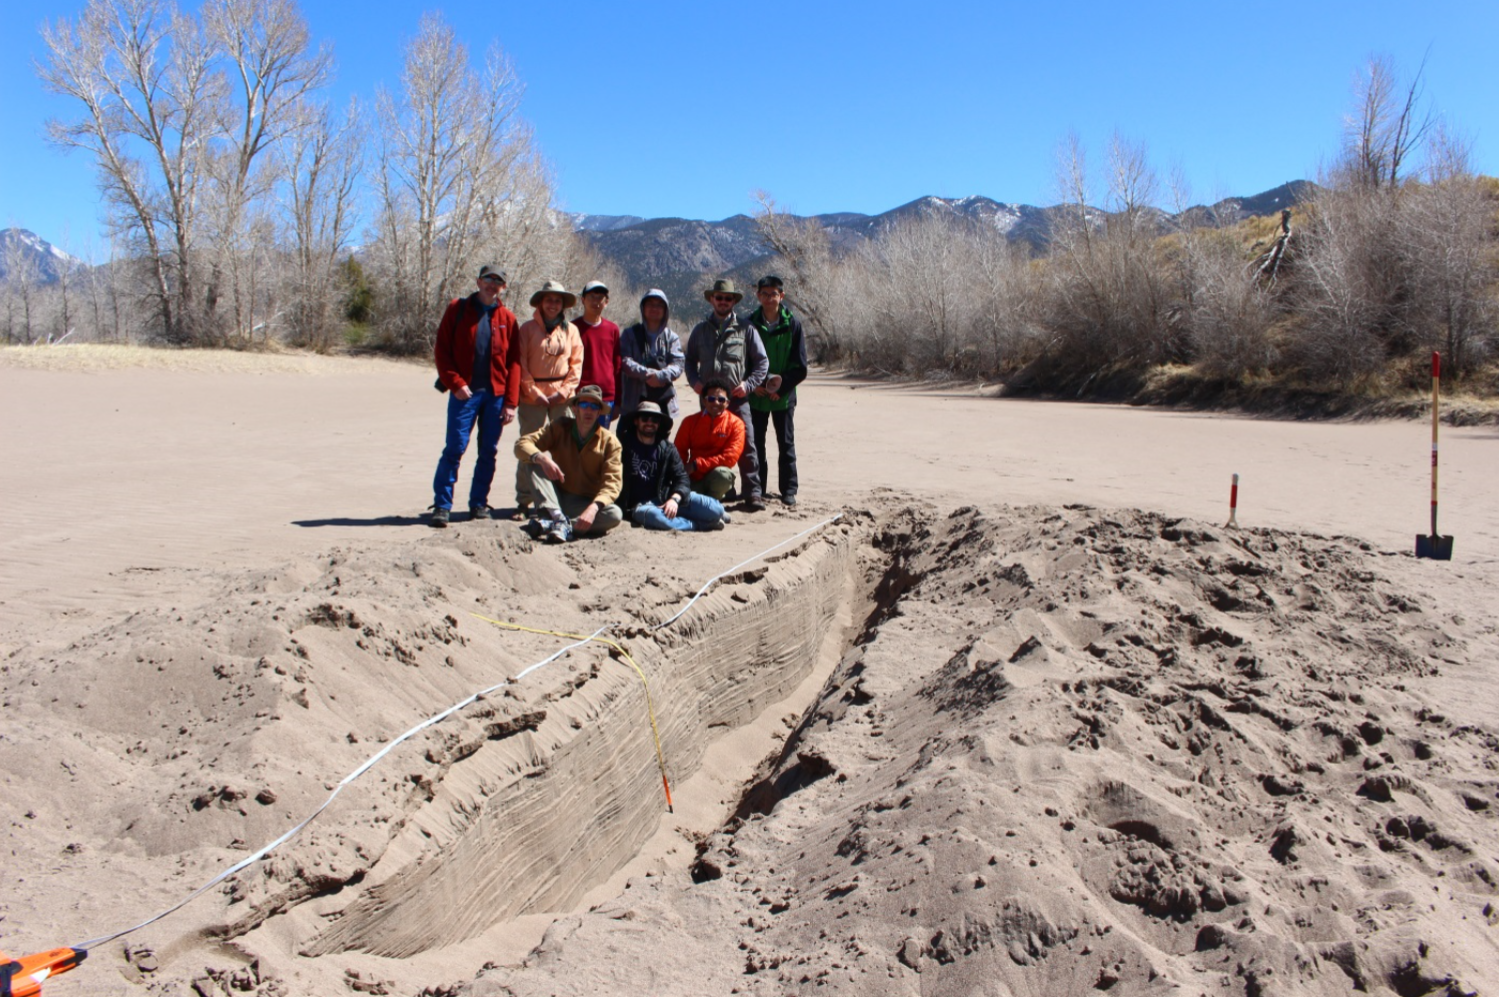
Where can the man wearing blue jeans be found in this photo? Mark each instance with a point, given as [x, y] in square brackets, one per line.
[657, 493]
[476, 358]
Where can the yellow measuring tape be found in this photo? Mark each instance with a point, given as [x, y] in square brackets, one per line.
[649, 707]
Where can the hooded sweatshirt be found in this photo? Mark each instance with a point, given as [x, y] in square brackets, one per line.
[644, 352]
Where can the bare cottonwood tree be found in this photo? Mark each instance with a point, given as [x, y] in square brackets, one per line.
[64, 290]
[143, 77]
[1109, 296]
[271, 70]
[1448, 239]
[928, 293]
[102, 306]
[1357, 291]
[454, 166]
[1387, 126]
[1006, 289]
[21, 289]
[319, 163]
[806, 256]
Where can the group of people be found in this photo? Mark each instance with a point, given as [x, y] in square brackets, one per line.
[597, 404]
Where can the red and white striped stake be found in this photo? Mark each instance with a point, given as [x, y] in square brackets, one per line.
[1233, 504]
[1436, 547]
[1436, 421]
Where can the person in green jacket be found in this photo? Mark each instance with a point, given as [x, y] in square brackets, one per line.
[774, 401]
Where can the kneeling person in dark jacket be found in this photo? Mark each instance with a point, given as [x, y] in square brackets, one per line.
[657, 493]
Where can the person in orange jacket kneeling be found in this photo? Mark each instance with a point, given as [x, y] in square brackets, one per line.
[712, 441]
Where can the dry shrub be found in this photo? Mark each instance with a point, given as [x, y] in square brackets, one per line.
[1227, 312]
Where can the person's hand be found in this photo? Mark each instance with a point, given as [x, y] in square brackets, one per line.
[507, 416]
[760, 392]
[550, 468]
[772, 384]
[697, 387]
[555, 398]
[740, 390]
[670, 508]
[463, 394]
[584, 521]
[655, 379]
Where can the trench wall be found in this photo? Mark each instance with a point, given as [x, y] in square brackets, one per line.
[531, 822]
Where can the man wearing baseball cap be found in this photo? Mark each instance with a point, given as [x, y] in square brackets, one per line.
[477, 364]
[601, 356]
[575, 470]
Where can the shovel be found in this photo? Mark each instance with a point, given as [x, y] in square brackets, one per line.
[1435, 547]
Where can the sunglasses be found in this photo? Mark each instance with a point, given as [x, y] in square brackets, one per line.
[651, 419]
[720, 298]
[716, 399]
[493, 280]
[588, 405]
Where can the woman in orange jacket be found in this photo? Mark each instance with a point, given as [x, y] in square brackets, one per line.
[551, 368]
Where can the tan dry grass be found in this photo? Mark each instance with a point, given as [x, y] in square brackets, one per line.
[106, 357]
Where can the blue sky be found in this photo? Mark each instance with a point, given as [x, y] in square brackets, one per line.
[679, 108]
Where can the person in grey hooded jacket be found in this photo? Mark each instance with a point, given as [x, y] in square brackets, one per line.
[650, 358]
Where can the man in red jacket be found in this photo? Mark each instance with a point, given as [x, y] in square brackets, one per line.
[476, 361]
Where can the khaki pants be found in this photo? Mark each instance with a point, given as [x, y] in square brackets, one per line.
[716, 483]
[531, 418]
[548, 497]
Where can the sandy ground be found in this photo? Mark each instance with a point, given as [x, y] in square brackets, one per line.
[1274, 746]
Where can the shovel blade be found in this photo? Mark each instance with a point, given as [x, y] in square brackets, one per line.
[1434, 547]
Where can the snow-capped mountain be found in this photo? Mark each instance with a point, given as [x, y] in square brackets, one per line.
[26, 255]
[674, 253]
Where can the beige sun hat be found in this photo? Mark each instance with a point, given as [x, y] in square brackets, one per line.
[554, 287]
[589, 393]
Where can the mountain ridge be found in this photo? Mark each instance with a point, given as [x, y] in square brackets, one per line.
[25, 251]
[676, 254]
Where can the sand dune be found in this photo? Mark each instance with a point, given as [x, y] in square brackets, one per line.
[1026, 719]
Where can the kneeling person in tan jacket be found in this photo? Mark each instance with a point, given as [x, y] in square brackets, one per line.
[575, 469]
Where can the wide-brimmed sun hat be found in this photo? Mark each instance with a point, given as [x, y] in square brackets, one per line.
[651, 409]
[722, 287]
[554, 287]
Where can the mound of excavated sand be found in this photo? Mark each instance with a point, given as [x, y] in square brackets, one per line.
[1072, 751]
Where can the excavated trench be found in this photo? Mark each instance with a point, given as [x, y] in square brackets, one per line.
[554, 787]
[1060, 747]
